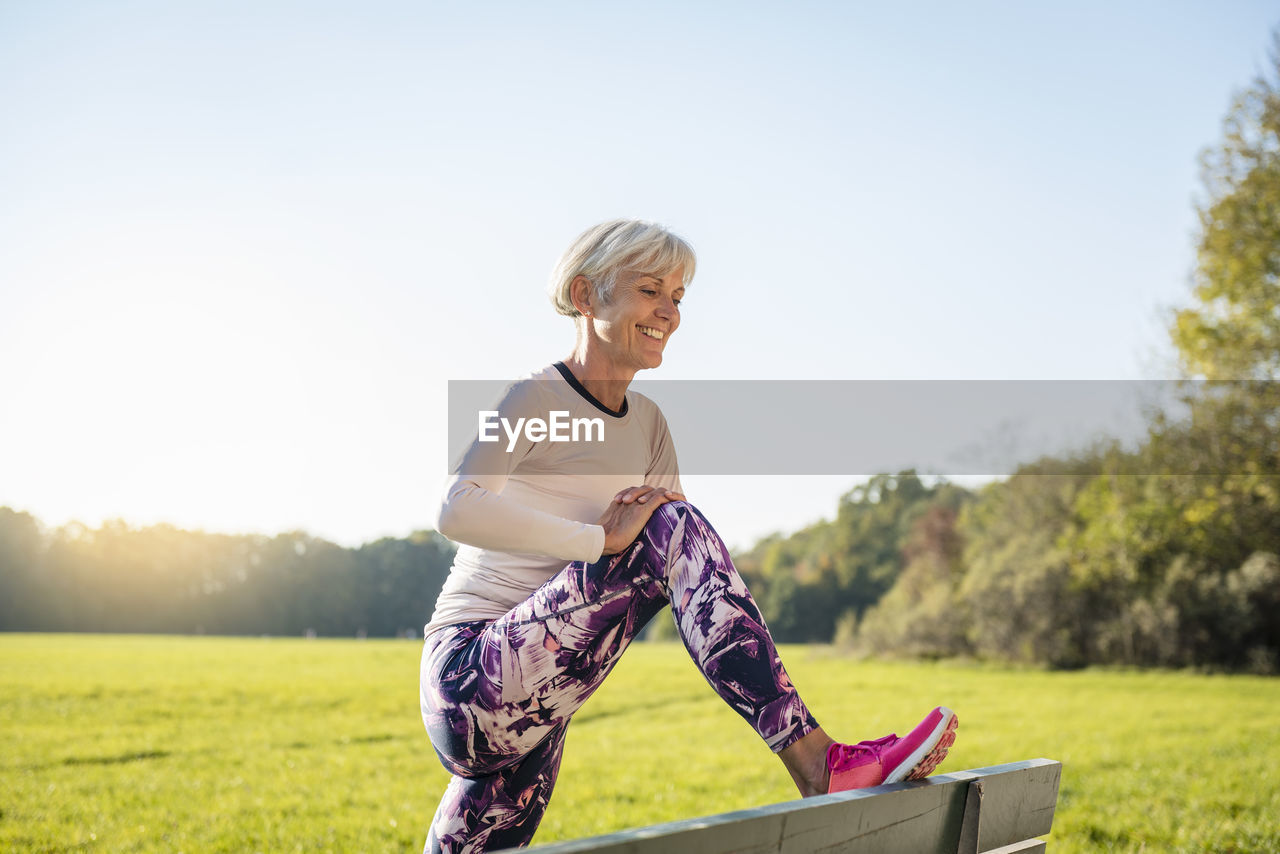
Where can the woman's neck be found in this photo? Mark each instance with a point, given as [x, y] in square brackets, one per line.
[606, 382]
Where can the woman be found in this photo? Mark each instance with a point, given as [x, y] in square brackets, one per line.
[569, 548]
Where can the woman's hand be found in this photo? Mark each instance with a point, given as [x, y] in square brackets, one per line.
[629, 512]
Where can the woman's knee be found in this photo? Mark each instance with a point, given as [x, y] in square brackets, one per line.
[667, 521]
[677, 515]
[673, 511]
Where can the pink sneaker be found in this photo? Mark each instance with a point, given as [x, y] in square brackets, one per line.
[892, 759]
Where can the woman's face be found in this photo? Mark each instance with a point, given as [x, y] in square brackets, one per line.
[635, 327]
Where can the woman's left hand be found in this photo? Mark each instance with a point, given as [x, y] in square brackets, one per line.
[644, 494]
[629, 512]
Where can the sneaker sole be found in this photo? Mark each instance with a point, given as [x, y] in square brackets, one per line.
[930, 753]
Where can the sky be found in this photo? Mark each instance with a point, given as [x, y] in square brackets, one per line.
[244, 246]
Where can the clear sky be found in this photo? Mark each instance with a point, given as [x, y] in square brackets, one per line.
[245, 245]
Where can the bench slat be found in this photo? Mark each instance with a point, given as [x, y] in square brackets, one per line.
[1031, 846]
[913, 818]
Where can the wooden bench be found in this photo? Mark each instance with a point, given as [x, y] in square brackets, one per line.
[1000, 809]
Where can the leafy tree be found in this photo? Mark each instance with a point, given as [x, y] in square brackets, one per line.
[921, 615]
[1163, 555]
[1233, 331]
[808, 582]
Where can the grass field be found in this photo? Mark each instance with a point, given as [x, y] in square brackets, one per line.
[125, 743]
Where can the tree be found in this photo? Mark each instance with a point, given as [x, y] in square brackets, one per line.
[1230, 513]
[807, 582]
[921, 615]
[21, 564]
[1233, 332]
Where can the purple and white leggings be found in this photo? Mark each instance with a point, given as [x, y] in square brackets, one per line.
[497, 695]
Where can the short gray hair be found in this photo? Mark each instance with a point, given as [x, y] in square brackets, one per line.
[603, 251]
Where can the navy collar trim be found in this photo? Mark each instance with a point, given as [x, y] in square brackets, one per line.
[590, 398]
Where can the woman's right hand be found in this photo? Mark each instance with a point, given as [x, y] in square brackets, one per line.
[629, 512]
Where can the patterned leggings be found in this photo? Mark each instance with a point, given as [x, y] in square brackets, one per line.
[497, 695]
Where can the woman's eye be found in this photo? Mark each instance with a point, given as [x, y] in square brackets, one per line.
[677, 301]
[649, 292]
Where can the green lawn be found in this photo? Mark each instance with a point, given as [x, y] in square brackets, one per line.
[124, 743]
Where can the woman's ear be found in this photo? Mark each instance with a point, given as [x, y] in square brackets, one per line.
[582, 293]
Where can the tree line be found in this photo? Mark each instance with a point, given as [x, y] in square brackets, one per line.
[116, 578]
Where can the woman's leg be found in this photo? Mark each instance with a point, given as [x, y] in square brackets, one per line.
[493, 693]
[721, 625]
[526, 673]
[499, 810]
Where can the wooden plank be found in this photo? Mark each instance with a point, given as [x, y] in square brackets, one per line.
[1017, 808]
[913, 818]
[1031, 846]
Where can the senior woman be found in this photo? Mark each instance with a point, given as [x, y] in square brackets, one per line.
[569, 548]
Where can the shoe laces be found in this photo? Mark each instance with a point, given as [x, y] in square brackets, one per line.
[841, 756]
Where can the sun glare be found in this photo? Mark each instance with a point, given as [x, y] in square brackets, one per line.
[159, 391]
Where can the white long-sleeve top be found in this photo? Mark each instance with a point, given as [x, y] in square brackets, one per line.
[520, 515]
